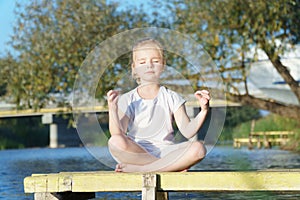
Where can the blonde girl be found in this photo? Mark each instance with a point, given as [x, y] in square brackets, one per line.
[141, 120]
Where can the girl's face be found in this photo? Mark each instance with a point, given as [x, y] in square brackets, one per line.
[148, 63]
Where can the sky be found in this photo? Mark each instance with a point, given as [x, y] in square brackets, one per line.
[7, 19]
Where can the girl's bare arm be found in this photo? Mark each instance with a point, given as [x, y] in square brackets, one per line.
[187, 127]
[118, 121]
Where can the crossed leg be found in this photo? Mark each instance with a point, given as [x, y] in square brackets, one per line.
[125, 150]
[133, 158]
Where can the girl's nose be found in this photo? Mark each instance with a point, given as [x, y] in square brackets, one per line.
[150, 65]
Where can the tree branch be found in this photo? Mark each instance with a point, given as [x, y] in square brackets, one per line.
[281, 69]
[292, 111]
[284, 72]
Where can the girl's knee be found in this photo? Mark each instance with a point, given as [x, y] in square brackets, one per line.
[198, 150]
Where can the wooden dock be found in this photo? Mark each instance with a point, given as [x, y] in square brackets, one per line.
[155, 186]
[264, 138]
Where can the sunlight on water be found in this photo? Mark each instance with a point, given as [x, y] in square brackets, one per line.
[17, 164]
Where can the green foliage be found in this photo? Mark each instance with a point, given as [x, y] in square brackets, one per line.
[229, 29]
[271, 122]
[23, 132]
[238, 116]
[52, 38]
[276, 122]
[233, 31]
[295, 144]
[9, 144]
[242, 130]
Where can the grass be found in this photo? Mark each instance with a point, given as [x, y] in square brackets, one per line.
[271, 122]
[9, 144]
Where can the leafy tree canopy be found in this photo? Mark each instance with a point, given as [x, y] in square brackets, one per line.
[52, 38]
[230, 29]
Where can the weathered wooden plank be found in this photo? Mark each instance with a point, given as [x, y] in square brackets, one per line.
[261, 133]
[107, 181]
[231, 181]
[284, 180]
[48, 183]
[35, 184]
[269, 138]
[245, 140]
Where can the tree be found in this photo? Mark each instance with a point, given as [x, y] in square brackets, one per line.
[51, 39]
[9, 81]
[236, 116]
[229, 29]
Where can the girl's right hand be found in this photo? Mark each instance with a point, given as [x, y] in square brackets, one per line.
[203, 97]
[112, 98]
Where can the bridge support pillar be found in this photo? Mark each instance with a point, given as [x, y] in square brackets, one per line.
[53, 135]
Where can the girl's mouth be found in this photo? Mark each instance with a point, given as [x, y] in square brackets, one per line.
[149, 72]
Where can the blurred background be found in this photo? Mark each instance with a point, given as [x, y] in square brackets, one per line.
[254, 45]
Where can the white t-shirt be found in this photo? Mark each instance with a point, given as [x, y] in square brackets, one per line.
[150, 123]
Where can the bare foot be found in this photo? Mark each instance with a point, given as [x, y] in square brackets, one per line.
[185, 170]
[119, 168]
[122, 167]
[125, 167]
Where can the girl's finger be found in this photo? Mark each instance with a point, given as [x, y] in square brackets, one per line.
[203, 93]
[109, 92]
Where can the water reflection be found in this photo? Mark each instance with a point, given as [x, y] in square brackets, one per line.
[243, 159]
[17, 164]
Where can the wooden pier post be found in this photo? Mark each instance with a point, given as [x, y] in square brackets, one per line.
[149, 190]
[149, 187]
[64, 195]
[267, 143]
[250, 145]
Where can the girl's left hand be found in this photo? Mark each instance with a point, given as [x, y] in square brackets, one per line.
[112, 98]
[203, 97]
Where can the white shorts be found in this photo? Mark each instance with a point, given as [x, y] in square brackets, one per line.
[160, 151]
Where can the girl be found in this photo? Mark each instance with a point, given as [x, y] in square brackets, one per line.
[140, 121]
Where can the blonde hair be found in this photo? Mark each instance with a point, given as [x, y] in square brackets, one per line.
[157, 45]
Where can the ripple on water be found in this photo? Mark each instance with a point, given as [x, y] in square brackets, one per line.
[15, 165]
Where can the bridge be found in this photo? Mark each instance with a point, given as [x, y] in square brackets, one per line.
[6, 113]
[42, 111]
[60, 135]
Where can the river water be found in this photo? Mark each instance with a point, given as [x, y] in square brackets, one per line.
[15, 165]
